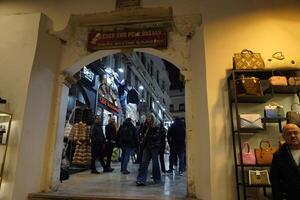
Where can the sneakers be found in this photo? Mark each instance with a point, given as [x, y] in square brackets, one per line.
[170, 171]
[180, 173]
[108, 170]
[125, 172]
[140, 183]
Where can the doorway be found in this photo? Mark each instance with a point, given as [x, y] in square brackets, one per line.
[147, 80]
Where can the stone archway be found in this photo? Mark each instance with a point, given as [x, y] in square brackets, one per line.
[75, 56]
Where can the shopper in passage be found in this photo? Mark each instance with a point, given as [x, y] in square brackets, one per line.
[151, 146]
[285, 170]
[176, 140]
[162, 148]
[127, 141]
[97, 145]
[110, 142]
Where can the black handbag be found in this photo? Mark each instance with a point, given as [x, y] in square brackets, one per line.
[293, 117]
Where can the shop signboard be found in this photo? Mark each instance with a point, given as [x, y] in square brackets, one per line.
[150, 37]
[128, 3]
[106, 103]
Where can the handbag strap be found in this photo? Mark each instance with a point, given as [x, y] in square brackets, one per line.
[246, 144]
[278, 55]
[293, 105]
[266, 142]
[246, 51]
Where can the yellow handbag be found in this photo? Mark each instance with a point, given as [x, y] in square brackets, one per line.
[264, 155]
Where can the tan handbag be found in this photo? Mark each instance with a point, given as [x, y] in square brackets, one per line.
[259, 177]
[248, 60]
[278, 81]
[264, 156]
[294, 81]
[249, 85]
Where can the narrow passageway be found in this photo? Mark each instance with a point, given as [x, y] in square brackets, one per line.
[116, 184]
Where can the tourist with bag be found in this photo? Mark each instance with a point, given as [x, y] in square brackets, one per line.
[285, 170]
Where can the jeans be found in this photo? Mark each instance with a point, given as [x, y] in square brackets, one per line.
[149, 154]
[126, 151]
[175, 151]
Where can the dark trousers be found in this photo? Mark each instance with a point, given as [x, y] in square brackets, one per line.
[126, 152]
[162, 159]
[149, 154]
[109, 151]
[97, 153]
[177, 151]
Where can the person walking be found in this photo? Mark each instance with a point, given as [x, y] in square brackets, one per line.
[127, 141]
[97, 145]
[111, 137]
[151, 146]
[176, 140]
[162, 148]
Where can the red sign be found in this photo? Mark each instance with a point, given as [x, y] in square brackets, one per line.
[107, 103]
[154, 37]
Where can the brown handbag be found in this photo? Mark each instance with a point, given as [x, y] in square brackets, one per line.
[278, 80]
[249, 85]
[259, 177]
[293, 117]
[264, 156]
[248, 60]
[294, 81]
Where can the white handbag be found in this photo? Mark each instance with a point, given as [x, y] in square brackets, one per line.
[251, 121]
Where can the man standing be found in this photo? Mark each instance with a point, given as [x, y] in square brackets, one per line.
[176, 140]
[127, 141]
[111, 137]
[285, 170]
[97, 145]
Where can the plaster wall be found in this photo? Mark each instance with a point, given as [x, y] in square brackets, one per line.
[17, 49]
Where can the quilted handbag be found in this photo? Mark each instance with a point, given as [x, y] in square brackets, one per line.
[248, 155]
[251, 121]
[278, 80]
[274, 111]
[264, 155]
[259, 177]
[248, 60]
[249, 85]
[295, 81]
[293, 116]
[279, 60]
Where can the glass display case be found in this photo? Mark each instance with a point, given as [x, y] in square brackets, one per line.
[5, 123]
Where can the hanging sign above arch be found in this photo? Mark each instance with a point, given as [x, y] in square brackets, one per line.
[137, 38]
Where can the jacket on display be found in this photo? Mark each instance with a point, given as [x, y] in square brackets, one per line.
[285, 175]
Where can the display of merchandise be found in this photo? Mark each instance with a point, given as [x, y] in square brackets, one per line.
[80, 133]
[68, 129]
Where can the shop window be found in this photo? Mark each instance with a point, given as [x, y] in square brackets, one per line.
[171, 107]
[181, 107]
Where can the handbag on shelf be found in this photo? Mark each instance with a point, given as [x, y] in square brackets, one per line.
[294, 81]
[246, 59]
[251, 121]
[274, 111]
[279, 60]
[248, 155]
[259, 177]
[278, 81]
[293, 116]
[249, 86]
[264, 155]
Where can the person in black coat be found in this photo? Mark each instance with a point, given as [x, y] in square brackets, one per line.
[162, 148]
[127, 141]
[176, 140]
[97, 145]
[151, 143]
[285, 170]
[111, 138]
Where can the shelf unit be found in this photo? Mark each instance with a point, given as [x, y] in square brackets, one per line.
[5, 125]
[237, 133]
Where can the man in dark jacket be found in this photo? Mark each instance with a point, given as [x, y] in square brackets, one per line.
[97, 145]
[111, 137]
[127, 141]
[176, 140]
[285, 170]
[151, 143]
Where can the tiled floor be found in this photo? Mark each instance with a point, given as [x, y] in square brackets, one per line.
[116, 184]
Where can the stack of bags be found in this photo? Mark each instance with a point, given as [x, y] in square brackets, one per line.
[82, 155]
